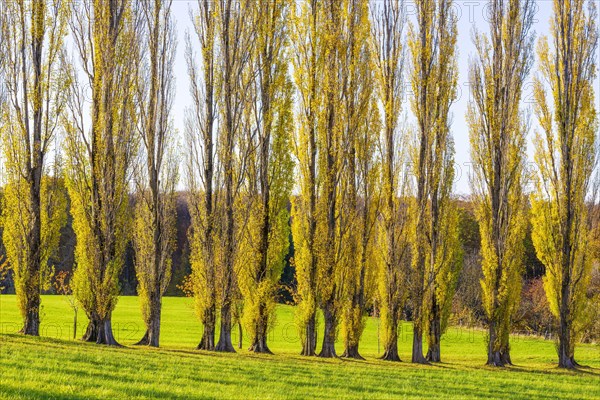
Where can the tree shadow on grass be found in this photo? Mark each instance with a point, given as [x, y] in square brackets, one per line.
[16, 393]
[582, 370]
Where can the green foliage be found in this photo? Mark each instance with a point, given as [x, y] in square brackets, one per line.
[361, 122]
[99, 154]
[303, 263]
[15, 222]
[308, 67]
[154, 227]
[270, 174]
[148, 275]
[448, 262]
[434, 233]
[498, 130]
[393, 258]
[566, 155]
[548, 245]
[33, 77]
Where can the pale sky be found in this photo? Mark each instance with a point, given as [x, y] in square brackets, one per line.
[471, 14]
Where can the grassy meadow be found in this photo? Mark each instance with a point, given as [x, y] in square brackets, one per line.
[56, 366]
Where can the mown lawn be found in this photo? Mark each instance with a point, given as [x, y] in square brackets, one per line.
[55, 366]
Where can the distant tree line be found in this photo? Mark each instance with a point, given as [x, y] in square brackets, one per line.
[305, 182]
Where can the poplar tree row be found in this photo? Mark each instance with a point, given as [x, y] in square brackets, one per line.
[301, 103]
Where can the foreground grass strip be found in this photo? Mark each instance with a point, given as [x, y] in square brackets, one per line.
[56, 367]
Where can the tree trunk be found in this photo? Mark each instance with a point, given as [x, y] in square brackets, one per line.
[494, 356]
[208, 336]
[417, 349]
[390, 352]
[105, 334]
[34, 163]
[31, 322]
[435, 335]
[565, 360]
[309, 344]
[358, 302]
[91, 332]
[75, 325]
[328, 349]
[225, 344]
[505, 357]
[353, 327]
[152, 335]
[566, 357]
[100, 332]
[259, 344]
[495, 359]
[433, 351]
[351, 351]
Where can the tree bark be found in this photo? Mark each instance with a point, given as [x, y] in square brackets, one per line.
[358, 299]
[435, 334]
[31, 323]
[75, 325]
[225, 344]
[353, 326]
[91, 332]
[494, 358]
[390, 352]
[328, 348]
[498, 353]
[351, 351]
[35, 159]
[434, 352]
[566, 358]
[152, 335]
[208, 336]
[417, 349]
[309, 343]
[505, 357]
[100, 331]
[259, 344]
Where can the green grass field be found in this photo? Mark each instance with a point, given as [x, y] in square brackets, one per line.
[55, 366]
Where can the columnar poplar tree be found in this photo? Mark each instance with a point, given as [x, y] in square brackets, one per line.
[319, 48]
[156, 177]
[326, 49]
[100, 147]
[361, 202]
[498, 131]
[445, 262]
[203, 169]
[566, 154]
[33, 77]
[435, 235]
[2, 50]
[332, 143]
[308, 68]
[270, 172]
[218, 158]
[388, 27]
[235, 41]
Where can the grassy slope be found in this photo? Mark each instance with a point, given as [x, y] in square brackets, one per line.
[47, 367]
